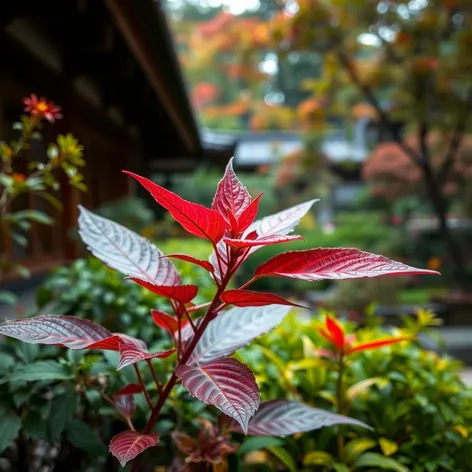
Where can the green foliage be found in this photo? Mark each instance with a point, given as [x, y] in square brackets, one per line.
[65, 155]
[419, 408]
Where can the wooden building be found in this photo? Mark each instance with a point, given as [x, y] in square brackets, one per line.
[112, 67]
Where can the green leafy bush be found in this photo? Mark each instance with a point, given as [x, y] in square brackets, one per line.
[50, 399]
[420, 409]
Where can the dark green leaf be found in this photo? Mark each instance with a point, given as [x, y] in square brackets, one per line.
[20, 239]
[20, 397]
[34, 215]
[34, 425]
[43, 297]
[82, 436]
[44, 370]
[6, 362]
[10, 426]
[258, 442]
[8, 298]
[74, 357]
[63, 408]
[284, 457]
[373, 459]
[26, 352]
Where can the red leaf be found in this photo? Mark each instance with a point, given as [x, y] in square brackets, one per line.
[264, 241]
[325, 334]
[244, 298]
[231, 195]
[129, 444]
[225, 383]
[376, 343]
[196, 219]
[336, 332]
[68, 331]
[130, 354]
[125, 405]
[249, 214]
[137, 343]
[168, 322]
[283, 418]
[334, 264]
[183, 257]
[129, 389]
[233, 223]
[109, 344]
[181, 293]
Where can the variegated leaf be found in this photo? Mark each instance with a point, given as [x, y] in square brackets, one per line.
[124, 250]
[130, 354]
[69, 331]
[225, 383]
[283, 418]
[129, 444]
[231, 195]
[235, 328]
[281, 223]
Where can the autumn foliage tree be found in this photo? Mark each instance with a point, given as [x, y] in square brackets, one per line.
[405, 65]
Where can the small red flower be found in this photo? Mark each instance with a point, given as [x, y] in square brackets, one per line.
[18, 178]
[344, 344]
[42, 108]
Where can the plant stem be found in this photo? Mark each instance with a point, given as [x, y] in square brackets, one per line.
[173, 380]
[156, 380]
[340, 401]
[198, 307]
[141, 382]
[210, 314]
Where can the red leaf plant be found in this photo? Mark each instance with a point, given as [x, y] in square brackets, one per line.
[344, 344]
[203, 345]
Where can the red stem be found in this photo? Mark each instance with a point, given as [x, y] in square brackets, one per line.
[212, 310]
[141, 382]
[156, 380]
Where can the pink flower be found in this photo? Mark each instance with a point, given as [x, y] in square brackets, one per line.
[42, 108]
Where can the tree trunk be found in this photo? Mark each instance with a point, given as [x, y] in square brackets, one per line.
[453, 246]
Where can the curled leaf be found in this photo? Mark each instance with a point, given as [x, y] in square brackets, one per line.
[129, 444]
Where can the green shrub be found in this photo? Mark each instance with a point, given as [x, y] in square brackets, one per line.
[61, 407]
[420, 409]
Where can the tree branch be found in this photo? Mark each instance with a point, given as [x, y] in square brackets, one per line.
[371, 98]
[456, 140]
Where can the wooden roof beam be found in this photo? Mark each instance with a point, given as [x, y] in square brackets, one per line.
[127, 21]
